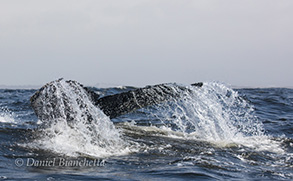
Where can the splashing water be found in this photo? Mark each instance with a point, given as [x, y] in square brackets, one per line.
[6, 116]
[217, 114]
[88, 131]
[221, 114]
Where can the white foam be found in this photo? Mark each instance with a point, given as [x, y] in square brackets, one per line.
[6, 119]
[7, 116]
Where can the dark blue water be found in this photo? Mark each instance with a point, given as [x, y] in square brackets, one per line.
[212, 133]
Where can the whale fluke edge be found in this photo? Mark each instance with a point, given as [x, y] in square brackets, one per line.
[47, 97]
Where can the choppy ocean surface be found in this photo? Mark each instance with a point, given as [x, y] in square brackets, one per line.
[213, 132]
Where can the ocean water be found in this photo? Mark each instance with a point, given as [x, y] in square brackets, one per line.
[209, 133]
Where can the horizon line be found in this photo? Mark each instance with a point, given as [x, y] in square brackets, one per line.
[112, 85]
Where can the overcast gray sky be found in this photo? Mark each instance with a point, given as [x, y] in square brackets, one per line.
[140, 42]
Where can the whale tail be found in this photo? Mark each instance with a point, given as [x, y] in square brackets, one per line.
[55, 100]
[52, 101]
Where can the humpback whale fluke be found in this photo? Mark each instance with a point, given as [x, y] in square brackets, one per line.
[52, 100]
[118, 104]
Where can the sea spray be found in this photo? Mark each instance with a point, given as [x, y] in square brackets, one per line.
[73, 125]
[7, 116]
[217, 113]
[213, 113]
